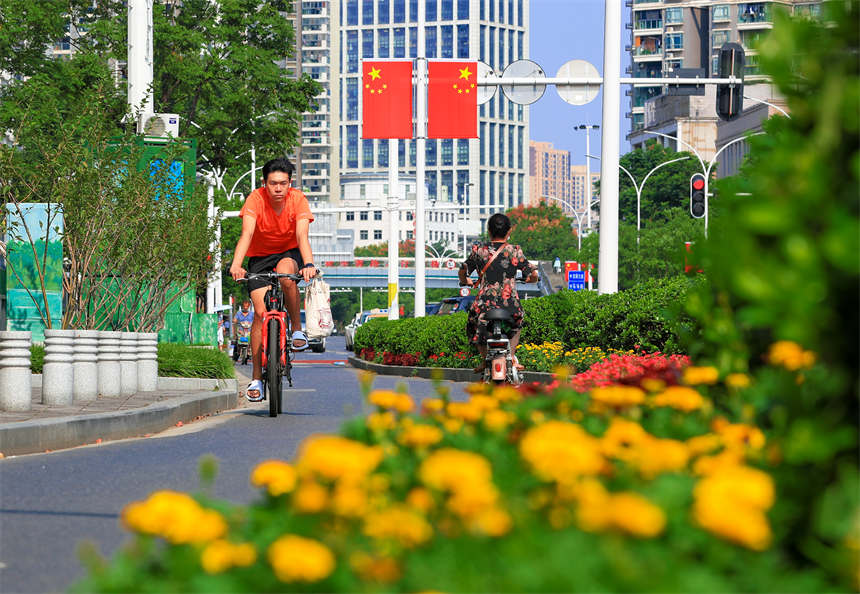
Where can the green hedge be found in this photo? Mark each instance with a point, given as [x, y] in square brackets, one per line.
[179, 360]
[638, 317]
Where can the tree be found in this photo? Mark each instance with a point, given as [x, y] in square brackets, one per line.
[543, 231]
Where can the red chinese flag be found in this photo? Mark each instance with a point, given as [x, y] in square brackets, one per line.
[387, 99]
[452, 100]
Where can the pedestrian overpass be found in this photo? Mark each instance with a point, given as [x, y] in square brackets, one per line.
[438, 274]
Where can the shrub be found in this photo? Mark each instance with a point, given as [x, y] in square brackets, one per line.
[37, 358]
[179, 360]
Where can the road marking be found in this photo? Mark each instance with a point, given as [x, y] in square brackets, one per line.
[319, 362]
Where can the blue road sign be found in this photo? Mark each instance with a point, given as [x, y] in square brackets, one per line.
[576, 280]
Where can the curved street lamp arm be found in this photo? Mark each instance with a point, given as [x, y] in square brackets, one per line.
[757, 100]
[724, 147]
[695, 152]
[659, 166]
[630, 175]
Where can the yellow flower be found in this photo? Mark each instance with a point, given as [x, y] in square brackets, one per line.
[633, 514]
[652, 384]
[731, 502]
[790, 355]
[737, 380]
[420, 436]
[452, 426]
[621, 438]
[484, 403]
[507, 394]
[679, 397]
[221, 555]
[277, 476]
[617, 395]
[491, 521]
[558, 450]
[382, 570]
[433, 404]
[469, 500]
[332, 457]
[420, 499]
[404, 403]
[656, 456]
[398, 523]
[448, 469]
[694, 376]
[466, 411]
[498, 420]
[298, 559]
[365, 380]
[176, 517]
[310, 497]
[349, 501]
[742, 436]
[707, 465]
[592, 511]
[383, 398]
[380, 421]
[703, 444]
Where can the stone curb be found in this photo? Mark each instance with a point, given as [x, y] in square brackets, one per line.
[448, 373]
[27, 437]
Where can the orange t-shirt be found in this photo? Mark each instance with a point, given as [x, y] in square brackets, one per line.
[275, 233]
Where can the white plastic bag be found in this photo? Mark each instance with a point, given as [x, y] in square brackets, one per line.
[318, 320]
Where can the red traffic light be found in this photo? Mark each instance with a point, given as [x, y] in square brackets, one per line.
[699, 183]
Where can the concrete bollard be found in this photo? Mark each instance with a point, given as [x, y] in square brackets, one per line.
[86, 365]
[147, 361]
[15, 374]
[108, 364]
[58, 374]
[128, 363]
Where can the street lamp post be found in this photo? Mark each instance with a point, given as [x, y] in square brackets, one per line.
[587, 128]
[579, 217]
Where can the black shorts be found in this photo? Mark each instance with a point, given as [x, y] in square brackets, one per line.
[268, 263]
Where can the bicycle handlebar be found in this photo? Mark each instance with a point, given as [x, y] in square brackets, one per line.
[269, 276]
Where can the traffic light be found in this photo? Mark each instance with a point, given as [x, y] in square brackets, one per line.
[697, 195]
[730, 98]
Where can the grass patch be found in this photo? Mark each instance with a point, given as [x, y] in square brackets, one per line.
[37, 358]
[179, 360]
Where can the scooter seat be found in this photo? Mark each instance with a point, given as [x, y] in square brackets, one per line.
[498, 314]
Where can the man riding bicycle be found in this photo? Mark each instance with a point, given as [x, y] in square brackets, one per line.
[244, 314]
[275, 223]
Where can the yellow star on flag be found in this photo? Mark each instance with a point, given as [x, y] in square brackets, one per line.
[464, 73]
[374, 73]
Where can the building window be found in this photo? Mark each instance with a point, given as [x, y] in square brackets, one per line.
[462, 41]
[463, 10]
[382, 151]
[674, 16]
[413, 42]
[462, 151]
[377, 234]
[431, 152]
[447, 41]
[352, 146]
[367, 153]
[491, 145]
[399, 42]
[410, 234]
[511, 146]
[430, 42]
[399, 11]
[377, 215]
[675, 41]
[721, 12]
[382, 15]
[412, 153]
[430, 10]
[492, 4]
[718, 38]
[362, 215]
[482, 42]
[352, 51]
[482, 151]
[715, 65]
[447, 151]
[502, 62]
[413, 11]
[367, 12]
[367, 43]
[409, 215]
[352, 99]
[362, 234]
[352, 12]
[448, 184]
[520, 130]
[350, 215]
[382, 39]
[447, 10]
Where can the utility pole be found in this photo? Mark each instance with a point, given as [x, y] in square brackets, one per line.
[139, 60]
[420, 167]
[608, 279]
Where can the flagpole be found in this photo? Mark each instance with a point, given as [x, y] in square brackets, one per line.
[420, 150]
[393, 230]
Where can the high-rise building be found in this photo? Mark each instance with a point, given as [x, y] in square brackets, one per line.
[670, 34]
[549, 175]
[490, 170]
[579, 187]
[317, 41]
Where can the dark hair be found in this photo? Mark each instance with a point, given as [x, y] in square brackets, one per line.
[279, 164]
[498, 226]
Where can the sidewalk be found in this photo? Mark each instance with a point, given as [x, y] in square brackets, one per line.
[45, 428]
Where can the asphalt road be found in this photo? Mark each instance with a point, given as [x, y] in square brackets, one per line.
[51, 502]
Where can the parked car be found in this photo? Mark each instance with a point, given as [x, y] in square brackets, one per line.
[317, 345]
[430, 309]
[451, 305]
[359, 319]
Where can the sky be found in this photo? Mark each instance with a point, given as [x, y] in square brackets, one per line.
[560, 31]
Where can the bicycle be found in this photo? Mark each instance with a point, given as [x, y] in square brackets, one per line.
[277, 343]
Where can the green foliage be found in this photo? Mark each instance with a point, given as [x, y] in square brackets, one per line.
[543, 231]
[37, 358]
[179, 360]
[784, 264]
[430, 335]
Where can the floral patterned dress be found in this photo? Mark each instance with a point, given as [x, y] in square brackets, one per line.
[499, 285]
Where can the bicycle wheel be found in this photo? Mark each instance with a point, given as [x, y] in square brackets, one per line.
[273, 367]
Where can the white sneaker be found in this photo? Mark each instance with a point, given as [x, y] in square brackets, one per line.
[255, 386]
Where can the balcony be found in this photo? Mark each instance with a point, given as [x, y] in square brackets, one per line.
[648, 24]
[754, 13]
